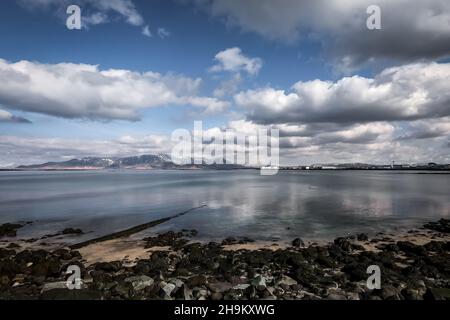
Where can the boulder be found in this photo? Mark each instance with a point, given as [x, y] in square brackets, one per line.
[184, 293]
[166, 290]
[437, 294]
[286, 281]
[54, 285]
[298, 242]
[139, 282]
[66, 294]
[219, 287]
[197, 280]
[259, 282]
[9, 229]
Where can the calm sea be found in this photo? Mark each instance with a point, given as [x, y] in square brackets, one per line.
[312, 205]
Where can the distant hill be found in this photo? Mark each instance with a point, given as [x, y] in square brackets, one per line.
[144, 162]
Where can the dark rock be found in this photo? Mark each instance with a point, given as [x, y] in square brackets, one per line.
[443, 225]
[63, 254]
[436, 246]
[336, 252]
[72, 231]
[259, 283]
[298, 242]
[107, 266]
[4, 280]
[325, 261]
[197, 281]
[9, 229]
[343, 243]
[168, 239]
[245, 240]
[166, 290]
[229, 241]
[391, 247]
[66, 294]
[411, 294]
[289, 258]
[216, 296]
[307, 276]
[437, 294]
[184, 293]
[139, 282]
[5, 253]
[356, 271]
[286, 281]
[362, 237]
[411, 248]
[335, 296]
[219, 287]
[357, 247]
[389, 293]
[9, 268]
[50, 267]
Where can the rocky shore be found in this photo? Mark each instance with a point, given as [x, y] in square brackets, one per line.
[415, 265]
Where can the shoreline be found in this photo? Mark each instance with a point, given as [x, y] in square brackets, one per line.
[414, 265]
[418, 169]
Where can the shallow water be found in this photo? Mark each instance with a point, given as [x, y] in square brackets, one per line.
[311, 205]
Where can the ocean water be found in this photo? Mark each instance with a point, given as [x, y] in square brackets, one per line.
[315, 205]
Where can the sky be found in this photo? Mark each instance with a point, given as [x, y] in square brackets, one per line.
[337, 91]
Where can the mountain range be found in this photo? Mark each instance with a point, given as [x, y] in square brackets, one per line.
[143, 162]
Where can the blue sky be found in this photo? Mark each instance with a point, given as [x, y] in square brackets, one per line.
[39, 35]
[289, 49]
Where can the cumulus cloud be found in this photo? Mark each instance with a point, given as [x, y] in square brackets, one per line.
[411, 29]
[229, 86]
[326, 143]
[6, 116]
[410, 92]
[426, 129]
[233, 60]
[377, 142]
[84, 91]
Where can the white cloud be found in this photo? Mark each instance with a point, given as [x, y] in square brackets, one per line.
[126, 8]
[84, 91]
[94, 12]
[32, 150]
[411, 92]
[146, 31]
[426, 129]
[6, 116]
[299, 144]
[163, 33]
[411, 30]
[228, 87]
[94, 19]
[233, 60]
[370, 143]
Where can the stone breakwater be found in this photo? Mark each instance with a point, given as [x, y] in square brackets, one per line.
[414, 266]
